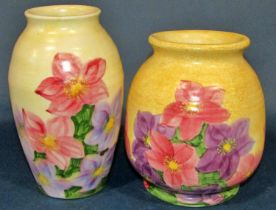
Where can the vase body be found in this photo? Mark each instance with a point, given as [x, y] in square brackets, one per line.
[195, 121]
[66, 83]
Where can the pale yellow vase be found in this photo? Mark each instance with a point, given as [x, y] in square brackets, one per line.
[66, 89]
[195, 122]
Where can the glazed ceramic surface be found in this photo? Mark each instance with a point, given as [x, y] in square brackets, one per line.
[66, 83]
[195, 122]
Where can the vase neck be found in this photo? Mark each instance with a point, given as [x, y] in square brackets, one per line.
[199, 43]
[62, 16]
[190, 54]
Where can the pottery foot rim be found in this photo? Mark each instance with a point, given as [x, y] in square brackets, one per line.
[191, 200]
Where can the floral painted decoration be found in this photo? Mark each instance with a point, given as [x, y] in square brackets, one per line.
[105, 118]
[71, 153]
[194, 106]
[190, 148]
[73, 84]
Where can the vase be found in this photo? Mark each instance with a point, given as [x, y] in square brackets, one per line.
[66, 83]
[195, 121]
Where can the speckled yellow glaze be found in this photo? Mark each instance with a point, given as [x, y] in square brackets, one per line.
[210, 58]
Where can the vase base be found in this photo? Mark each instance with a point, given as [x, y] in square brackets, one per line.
[73, 194]
[191, 200]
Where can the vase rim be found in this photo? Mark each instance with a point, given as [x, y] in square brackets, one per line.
[199, 40]
[62, 12]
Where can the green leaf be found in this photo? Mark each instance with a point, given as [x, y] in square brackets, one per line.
[82, 122]
[176, 138]
[74, 167]
[89, 150]
[210, 179]
[201, 149]
[198, 141]
[38, 155]
[72, 192]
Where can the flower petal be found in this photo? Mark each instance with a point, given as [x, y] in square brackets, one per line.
[213, 94]
[213, 113]
[187, 91]
[240, 128]
[161, 144]
[182, 152]
[60, 126]
[155, 159]
[83, 179]
[94, 93]
[97, 136]
[65, 106]
[233, 165]
[189, 128]
[91, 163]
[215, 134]
[101, 115]
[189, 176]
[94, 70]
[70, 147]
[210, 161]
[57, 159]
[143, 124]
[173, 114]
[66, 66]
[51, 88]
[172, 179]
[244, 145]
[224, 169]
[35, 130]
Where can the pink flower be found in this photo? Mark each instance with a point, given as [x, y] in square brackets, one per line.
[195, 105]
[73, 84]
[176, 161]
[245, 168]
[53, 139]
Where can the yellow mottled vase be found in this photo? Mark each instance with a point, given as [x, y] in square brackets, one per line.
[195, 122]
[66, 83]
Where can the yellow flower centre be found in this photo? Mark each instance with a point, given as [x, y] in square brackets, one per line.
[110, 124]
[74, 88]
[227, 146]
[98, 172]
[42, 179]
[192, 107]
[172, 164]
[49, 142]
[147, 141]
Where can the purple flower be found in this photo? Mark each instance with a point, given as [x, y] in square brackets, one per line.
[211, 199]
[225, 145]
[93, 169]
[45, 176]
[144, 124]
[106, 121]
